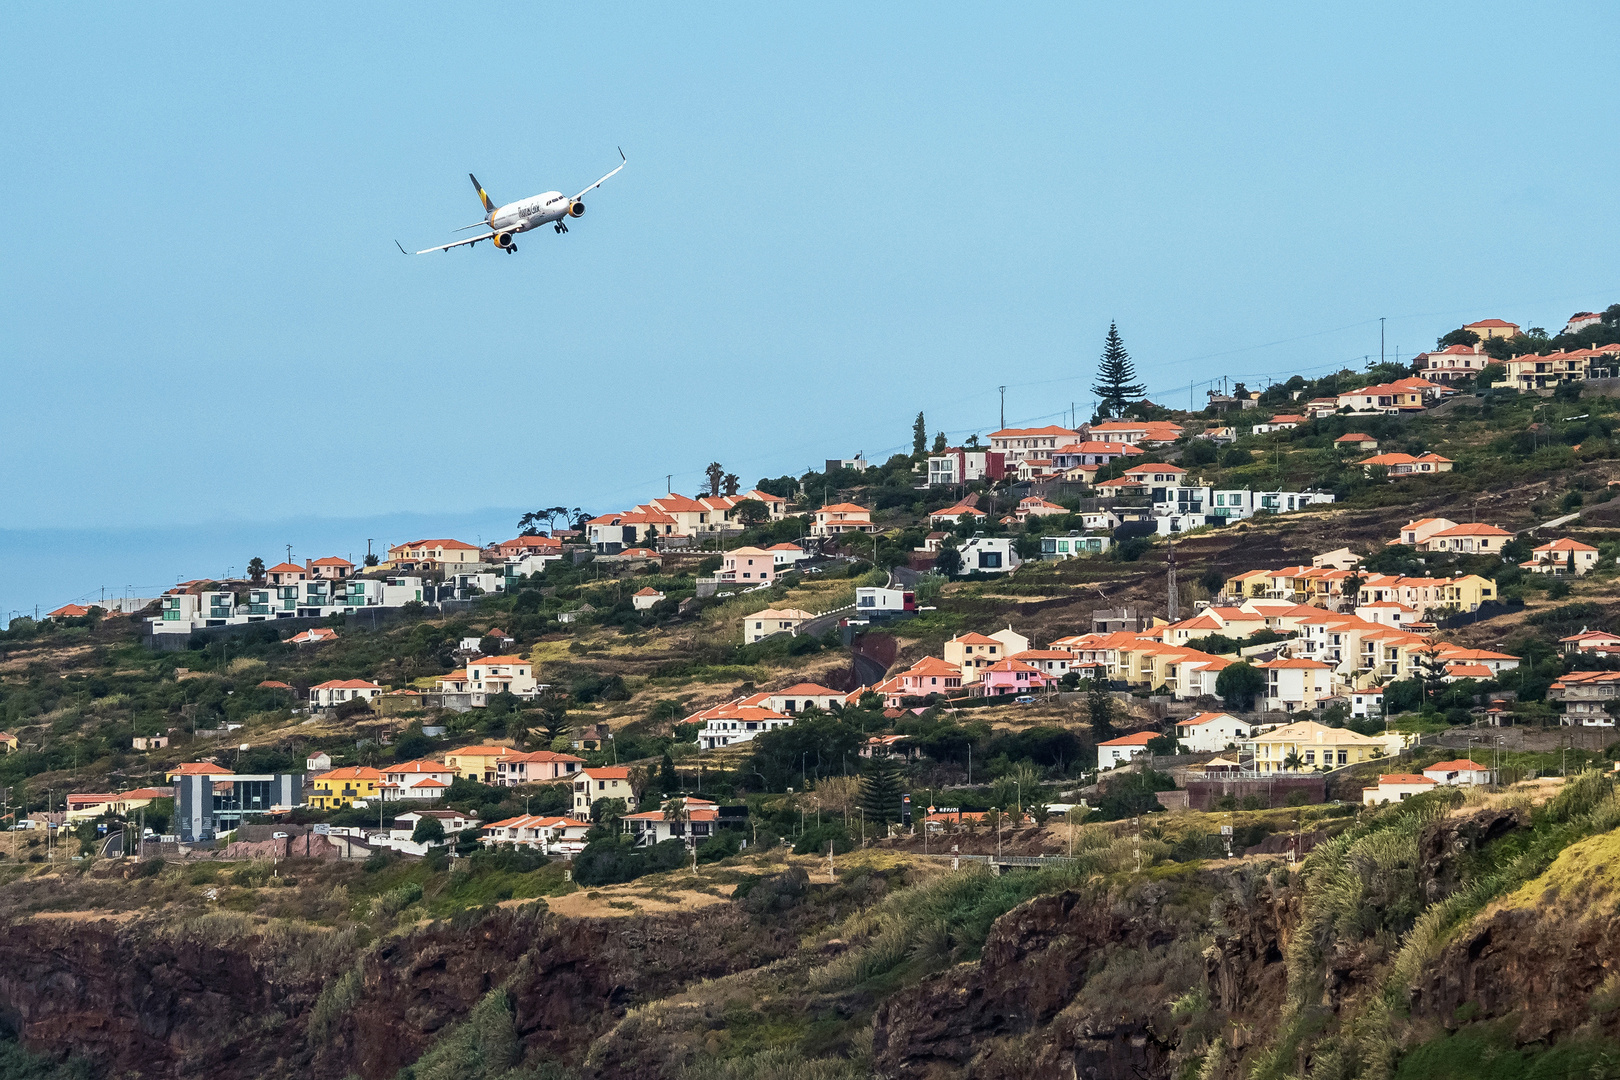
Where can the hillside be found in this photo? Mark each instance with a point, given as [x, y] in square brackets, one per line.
[1412, 940]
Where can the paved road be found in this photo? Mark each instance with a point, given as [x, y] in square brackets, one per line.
[1554, 523]
[113, 845]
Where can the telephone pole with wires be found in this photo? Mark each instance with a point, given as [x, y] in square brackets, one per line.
[1003, 390]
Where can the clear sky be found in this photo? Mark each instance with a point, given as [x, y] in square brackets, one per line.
[833, 217]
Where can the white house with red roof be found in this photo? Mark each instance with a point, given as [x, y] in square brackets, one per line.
[315, 635]
[1355, 440]
[1016, 444]
[331, 568]
[1396, 787]
[1136, 432]
[1280, 422]
[838, 518]
[646, 598]
[1120, 751]
[548, 835]
[491, 675]
[1296, 682]
[334, 692]
[687, 819]
[1035, 506]
[787, 556]
[408, 780]
[1399, 465]
[952, 515]
[1417, 533]
[801, 696]
[286, 574]
[1212, 732]
[1459, 773]
[1562, 556]
[1596, 642]
[1053, 663]
[1454, 363]
[1474, 538]
[1401, 396]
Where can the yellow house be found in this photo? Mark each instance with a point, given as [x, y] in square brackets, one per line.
[1315, 747]
[8, 742]
[477, 762]
[1249, 585]
[341, 787]
[1469, 592]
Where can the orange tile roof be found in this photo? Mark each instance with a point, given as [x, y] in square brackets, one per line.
[352, 772]
[69, 611]
[346, 684]
[844, 508]
[1459, 765]
[806, 689]
[607, 772]
[1403, 778]
[1139, 738]
[1024, 433]
[331, 560]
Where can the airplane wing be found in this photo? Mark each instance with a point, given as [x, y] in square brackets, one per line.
[623, 161]
[446, 247]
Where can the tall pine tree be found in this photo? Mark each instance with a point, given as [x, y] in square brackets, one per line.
[880, 791]
[919, 437]
[1116, 377]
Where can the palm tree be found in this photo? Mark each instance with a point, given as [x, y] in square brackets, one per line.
[255, 568]
[1293, 761]
[676, 814]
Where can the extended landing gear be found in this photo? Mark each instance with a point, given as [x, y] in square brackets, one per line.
[560, 227]
[511, 249]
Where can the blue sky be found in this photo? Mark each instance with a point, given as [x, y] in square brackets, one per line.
[832, 217]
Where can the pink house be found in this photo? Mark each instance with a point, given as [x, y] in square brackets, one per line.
[1012, 677]
[749, 566]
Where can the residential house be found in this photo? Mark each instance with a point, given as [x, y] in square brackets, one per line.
[762, 624]
[875, 601]
[451, 821]
[962, 466]
[1296, 683]
[1459, 773]
[1417, 533]
[331, 568]
[990, 555]
[1337, 559]
[319, 761]
[1464, 593]
[737, 721]
[970, 653]
[1308, 746]
[1400, 396]
[1596, 642]
[1115, 752]
[787, 556]
[1137, 433]
[801, 696]
[1493, 328]
[1034, 506]
[646, 599]
[1365, 703]
[1580, 321]
[1454, 363]
[1355, 440]
[1016, 444]
[139, 742]
[952, 515]
[432, 555]
[491, 675]
[1074, 545]
[334, 692]
[1538, 372]
[1407, 465]
[1316, 408]
[196, 768]
[857, 463]
[1562, 556]
[411, 780]
[604, 782]
[1012, 677]
[477, 762]
[610, 534]
[1474, 538]
[69, 611]
[1212, 732]
[343, 787]
[687, 819]
[536, 767]
[1280, 422]
[520, 546]
[315, 635]
[749, 566]
[927, 676]
[1396, 787]
[1585, 695]
[286, 574]
[549, 835]
[838, 518]
[1053, 663]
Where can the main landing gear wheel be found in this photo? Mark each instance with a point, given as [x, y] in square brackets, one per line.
[511, 249]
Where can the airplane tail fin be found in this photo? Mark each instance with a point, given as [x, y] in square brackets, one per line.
[483, 196]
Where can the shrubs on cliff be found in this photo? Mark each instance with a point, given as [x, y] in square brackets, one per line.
[484, 1047]
[614, 859]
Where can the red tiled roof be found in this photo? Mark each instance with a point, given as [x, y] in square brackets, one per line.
[1139, 738]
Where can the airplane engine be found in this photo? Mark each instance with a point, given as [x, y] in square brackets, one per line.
[576, 209]
[504, 240]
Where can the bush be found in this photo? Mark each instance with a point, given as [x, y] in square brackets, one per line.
[612, 860]
[814, 840]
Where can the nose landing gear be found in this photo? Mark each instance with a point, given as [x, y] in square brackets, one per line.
[560, 227]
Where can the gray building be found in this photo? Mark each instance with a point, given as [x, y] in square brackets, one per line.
[207, 805]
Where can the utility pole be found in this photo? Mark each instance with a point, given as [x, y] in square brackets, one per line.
[1003, 390]
[1380, 340]
[1173, 601]
[289, 553]
[669, 483]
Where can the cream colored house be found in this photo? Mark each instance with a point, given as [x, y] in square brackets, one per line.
[593, 785]
[1312, 747]
[762, 624]
[842, 518]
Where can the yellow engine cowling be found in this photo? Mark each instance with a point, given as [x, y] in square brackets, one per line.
[576, 209]
[503, 240]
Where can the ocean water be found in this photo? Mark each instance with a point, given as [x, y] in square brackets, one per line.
[46, 568]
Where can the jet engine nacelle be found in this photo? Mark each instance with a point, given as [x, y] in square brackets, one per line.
[504, 240]
[576, 209]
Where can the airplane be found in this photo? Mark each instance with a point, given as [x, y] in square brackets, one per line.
[505, 222]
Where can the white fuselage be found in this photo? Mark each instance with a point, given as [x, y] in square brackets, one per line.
[530, 213]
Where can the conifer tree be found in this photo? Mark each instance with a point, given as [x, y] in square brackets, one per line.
[1116, 376]
[880, 791]
[919, 436]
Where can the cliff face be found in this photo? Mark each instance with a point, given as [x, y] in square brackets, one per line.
[142, 1004]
